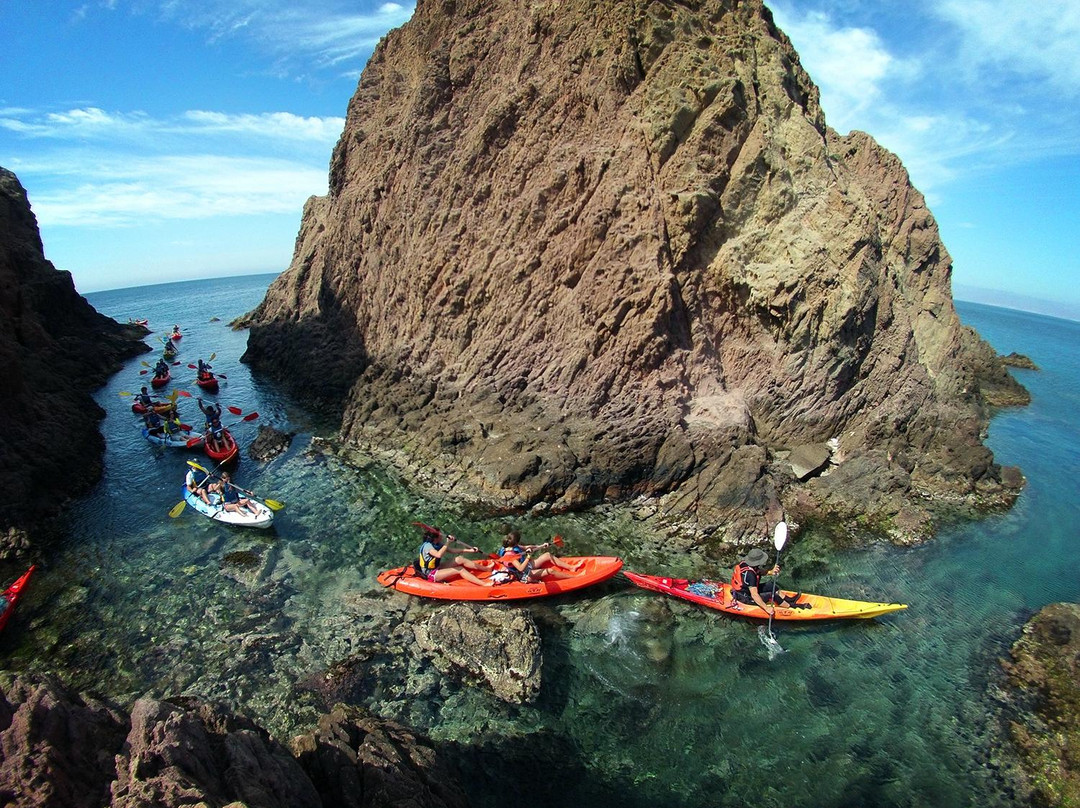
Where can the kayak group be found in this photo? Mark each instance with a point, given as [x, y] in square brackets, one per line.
[520, 570]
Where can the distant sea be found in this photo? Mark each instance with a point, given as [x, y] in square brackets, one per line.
[646, 701]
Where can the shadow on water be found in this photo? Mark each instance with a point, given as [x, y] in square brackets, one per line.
[646, 700]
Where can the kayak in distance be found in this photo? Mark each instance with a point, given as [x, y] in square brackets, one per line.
[717, 595]
[11, 596]
[181, 440]
[216, 511]
[595, 569]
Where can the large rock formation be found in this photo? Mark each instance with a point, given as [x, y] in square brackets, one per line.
[63, 748]
[587, 250]
[55, 349]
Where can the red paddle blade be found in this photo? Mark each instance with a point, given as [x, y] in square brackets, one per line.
[234, 410]
[192, 442]
[251, 416]
[186, 427]
[558, 541]
[428, 529]
[222, 376]
[183, 393]
[143, 372]
[192, 367]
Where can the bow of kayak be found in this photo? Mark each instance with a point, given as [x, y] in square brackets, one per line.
[717, 595]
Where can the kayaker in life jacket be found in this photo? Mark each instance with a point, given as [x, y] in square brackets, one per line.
[153, 422]
[213, 430]
[204, 369]
[747, 586]
[230, 495]
[197, 487]
[161, 369]
[429, 562]
[520, 562]
[144, 399]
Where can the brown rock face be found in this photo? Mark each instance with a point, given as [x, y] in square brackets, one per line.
[589, 250]
[54, 350]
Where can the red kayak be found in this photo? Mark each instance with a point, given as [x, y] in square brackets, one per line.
[230, 452]
[596, 569]
[209, 383]
[11, 596]
[161, 381]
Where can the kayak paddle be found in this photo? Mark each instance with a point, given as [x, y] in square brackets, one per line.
[272, 504]
[769, 639]
[178, 508]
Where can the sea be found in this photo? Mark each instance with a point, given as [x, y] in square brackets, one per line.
[646, 701]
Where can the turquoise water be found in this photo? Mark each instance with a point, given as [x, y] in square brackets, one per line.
[646, 700]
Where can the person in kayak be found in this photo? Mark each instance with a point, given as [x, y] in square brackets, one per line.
[198, 488]
[747, 587]
[161, 369]
[519, 561]
[429, 564]
[175, 332]
[230, 495]
[204, 369]
[144, 399]
[213, 430]
[153, 422]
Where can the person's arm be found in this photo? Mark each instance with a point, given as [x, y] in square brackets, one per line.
[756, 597]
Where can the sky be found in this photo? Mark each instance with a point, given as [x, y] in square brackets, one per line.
[164, 140]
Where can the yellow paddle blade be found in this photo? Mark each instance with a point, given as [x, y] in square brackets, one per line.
[179, 506]
[125, 393]
[195, 465]
[273, 504]
[212, 356]
[146, 363]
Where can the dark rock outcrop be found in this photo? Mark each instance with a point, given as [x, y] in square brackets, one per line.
[62, 748]
[1017, 360]
[594, 251]
[269, 443]
[1044, 705]
[55, 349]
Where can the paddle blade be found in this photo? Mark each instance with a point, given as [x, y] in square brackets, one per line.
[780, 536]
[195, 465]
[250, 416]
[273, 504]
[192, 367]
[235, 410]
[213, 356]
[222, 376]
[193, 442]
[125, 393]
[186, 427]
[558, 541]
[177, 508]
[143, 372]
[147, 364]
[183, 393]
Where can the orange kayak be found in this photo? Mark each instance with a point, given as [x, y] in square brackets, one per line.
[717, 595]
[596, 569]
[10, 596]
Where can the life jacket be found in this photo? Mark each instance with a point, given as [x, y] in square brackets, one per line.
[145, 400]
[425, 563]
[517, 551]
[738, 582]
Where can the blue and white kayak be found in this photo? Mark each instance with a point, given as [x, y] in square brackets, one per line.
[178, 440]
[217, 512]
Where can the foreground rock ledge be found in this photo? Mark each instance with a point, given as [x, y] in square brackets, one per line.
[63, 748]
[595, 251]
[1044, 673]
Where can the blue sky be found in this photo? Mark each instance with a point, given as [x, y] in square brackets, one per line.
[165, 140]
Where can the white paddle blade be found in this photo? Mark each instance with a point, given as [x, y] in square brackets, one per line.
[780, 536]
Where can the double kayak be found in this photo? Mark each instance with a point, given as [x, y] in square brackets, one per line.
[596, 569]
[178, 440]
[717, 595]
[216, 511]
[227, 450]
[161, 381]
[11, 596]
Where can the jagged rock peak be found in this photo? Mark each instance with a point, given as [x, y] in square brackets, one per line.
[587, 250]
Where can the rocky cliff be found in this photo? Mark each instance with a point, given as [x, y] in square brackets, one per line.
[589, 250]
[55, 349]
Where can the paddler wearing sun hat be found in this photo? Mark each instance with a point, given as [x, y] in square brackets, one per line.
[747, 587]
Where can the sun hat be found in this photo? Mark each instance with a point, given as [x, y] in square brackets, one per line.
[756, 557]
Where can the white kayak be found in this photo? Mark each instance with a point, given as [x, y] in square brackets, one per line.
[177, 441]
[240, 518]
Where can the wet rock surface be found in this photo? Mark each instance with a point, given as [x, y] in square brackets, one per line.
[55, 349]
[63, 748]
[269, 443]
[589, 286]
[1043, 705]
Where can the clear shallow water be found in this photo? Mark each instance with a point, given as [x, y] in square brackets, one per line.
[646, 700]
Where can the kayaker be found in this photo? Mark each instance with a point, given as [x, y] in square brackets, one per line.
[213, 429]
[175, 332]
[204, 369]
[197, 488]
[153, 422]
[230, 495]
[161, 369]
[429, 560]
[519, 561]
[747, 586]
[144, 399]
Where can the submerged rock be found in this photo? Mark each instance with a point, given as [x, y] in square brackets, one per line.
[1044, 706]
[646, 266]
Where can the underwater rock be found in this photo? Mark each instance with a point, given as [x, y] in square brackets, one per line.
[1044, 704]
[495, 647]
